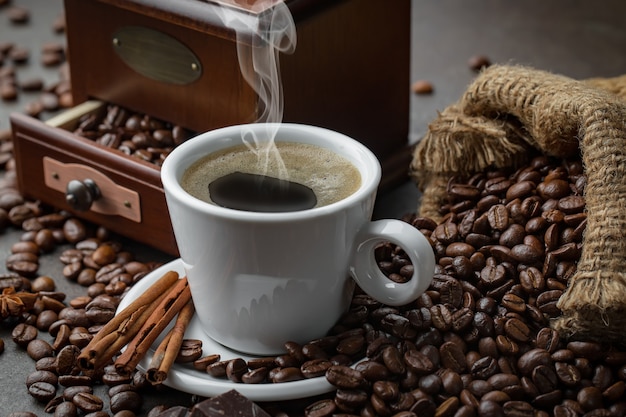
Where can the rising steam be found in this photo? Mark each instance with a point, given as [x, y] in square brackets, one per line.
[261, 38]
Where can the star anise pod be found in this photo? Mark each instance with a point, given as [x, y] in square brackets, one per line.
[14, 303]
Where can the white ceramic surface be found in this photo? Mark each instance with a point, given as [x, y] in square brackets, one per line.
[187, 379]
[260, 279]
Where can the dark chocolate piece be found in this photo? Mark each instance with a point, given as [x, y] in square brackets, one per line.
[231, 404]
[176, 411]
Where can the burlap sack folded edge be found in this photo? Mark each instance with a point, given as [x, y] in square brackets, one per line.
[507, 110]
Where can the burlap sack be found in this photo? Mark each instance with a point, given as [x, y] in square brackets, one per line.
[508, 109]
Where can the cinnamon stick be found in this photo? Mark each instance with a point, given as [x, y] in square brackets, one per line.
[109, 345]
[168, 349]
[176, 298]
[124, 325]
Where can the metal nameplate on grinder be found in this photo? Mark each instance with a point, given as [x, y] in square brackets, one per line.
[156, 55]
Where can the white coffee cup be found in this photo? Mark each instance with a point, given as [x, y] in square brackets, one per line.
[261, 279]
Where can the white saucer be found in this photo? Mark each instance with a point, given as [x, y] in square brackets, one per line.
[185, 378]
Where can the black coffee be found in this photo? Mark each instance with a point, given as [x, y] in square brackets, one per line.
[288, 177]
[253, 192]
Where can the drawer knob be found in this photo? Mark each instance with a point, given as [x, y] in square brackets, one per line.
[81, 194]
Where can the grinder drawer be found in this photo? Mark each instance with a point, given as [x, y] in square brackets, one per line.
[106, 186]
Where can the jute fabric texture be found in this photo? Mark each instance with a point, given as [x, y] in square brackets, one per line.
[506, 111]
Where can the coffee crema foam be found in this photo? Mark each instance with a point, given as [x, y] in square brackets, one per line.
[331, 176]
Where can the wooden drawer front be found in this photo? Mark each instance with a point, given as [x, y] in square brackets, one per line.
[133, 201]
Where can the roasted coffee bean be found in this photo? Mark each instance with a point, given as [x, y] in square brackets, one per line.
[460, 249]
[513, 303]
[446, 233]
[513, 235]
[462, 319]
[422, 87]
[125, 400]
[493, 276]
[546, 302]
[418, 362]
[285, 361]
[615, 391]
[532, 280]
[12, 280]
[235, 369]
[87, 402]
[555, 188]
[23, 334]
[498, 217]
[545, 378]
[497, 186]
[315, 367]
[589, 350]
[386, 390]
[532, 359]
[255, 376]
[295, 349]
[479, 387]
[372, 370]
[518, 409]
[70, 392]
[478, 62]
[45, 319]
[483, 367]
[354, 344]
[287, 374]
[517, 330]
[42, 391]
[190, 350]
[441, 317]
[392, 358]
[320, 408]
[520, 189]
[72, 380]
[42, 376]
[74, 230]
[318, 349]
[548, 339]
[217, 369]
[66, 409]
[38, 349]
[263, 362]
[345, 377]
[350, 400]
[66, 359]
[452, 357]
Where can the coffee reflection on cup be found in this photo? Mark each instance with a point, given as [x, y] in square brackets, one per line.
[263, 276]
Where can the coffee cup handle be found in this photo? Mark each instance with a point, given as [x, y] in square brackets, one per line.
[369, 277]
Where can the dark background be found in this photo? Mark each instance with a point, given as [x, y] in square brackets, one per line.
[579, 39]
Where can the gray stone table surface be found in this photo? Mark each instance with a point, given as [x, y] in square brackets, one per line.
[576, 38]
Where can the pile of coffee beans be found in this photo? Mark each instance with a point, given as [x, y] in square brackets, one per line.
[54, 330]
[136, 134]
[478, 342]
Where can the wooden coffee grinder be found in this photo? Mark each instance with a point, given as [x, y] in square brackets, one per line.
[177, 61]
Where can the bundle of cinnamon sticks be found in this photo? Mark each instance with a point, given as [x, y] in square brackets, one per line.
[138, 326]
